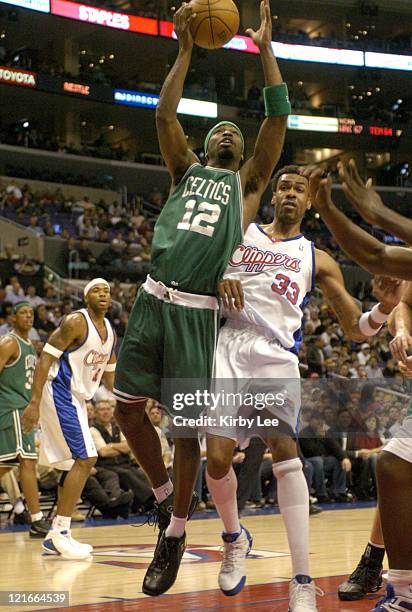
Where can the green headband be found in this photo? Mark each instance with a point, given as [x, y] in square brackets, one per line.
[19, 305]
[210, 133]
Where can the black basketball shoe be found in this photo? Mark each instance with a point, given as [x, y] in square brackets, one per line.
[162, 513]
[365, 579]
[162, 572]
[39, 529]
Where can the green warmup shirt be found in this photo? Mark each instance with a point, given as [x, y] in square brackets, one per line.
[16, 382]
[198, 229]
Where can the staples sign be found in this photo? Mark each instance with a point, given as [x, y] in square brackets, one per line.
[16, 76]
[103, 17]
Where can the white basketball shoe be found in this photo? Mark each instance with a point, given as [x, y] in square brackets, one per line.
[63, 544]
[302, 594]
[232, 575]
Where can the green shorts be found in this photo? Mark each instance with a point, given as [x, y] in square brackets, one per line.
[168, 347]
[14, 443]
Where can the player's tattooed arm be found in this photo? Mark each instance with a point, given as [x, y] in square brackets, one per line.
[374, 256]
[330, 280]
[256, 172]
[172, 140]
[9, 351]
[71, 331]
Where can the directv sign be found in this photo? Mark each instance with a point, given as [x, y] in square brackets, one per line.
[197, 108]
[133, 98]
[35, 5]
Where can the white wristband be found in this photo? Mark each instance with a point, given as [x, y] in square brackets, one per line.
[52, 350]
[365, 327]
[111, 367]
[378, 316]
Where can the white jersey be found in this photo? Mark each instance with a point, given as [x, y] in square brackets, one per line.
[79, 371]
[277, 278]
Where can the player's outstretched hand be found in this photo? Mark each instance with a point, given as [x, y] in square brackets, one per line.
[406, 367]
[364, 199]
[181, 22]
[400, 345]
[30, 417]
[231, 292]
[388, 291]
[320, 187]
[262, 36]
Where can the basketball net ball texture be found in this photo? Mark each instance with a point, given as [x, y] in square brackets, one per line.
[216, 22]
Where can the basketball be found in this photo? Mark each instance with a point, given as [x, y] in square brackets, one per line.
[216, 22]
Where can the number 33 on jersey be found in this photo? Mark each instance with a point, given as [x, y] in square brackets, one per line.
[198, 230]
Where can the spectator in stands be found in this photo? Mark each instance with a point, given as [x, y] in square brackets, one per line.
[325, 457]
[34, 225]
[364, 354]
[32, 297]
[85, 254]
[42, 322]
[369, 444]
[114, 455]
[102, 489]
[14, 292]
[372, 369]
[155, 415]
[315, 356]
[253, 97]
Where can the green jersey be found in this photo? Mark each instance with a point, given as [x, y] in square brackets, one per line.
[16, 381]
[198, 230]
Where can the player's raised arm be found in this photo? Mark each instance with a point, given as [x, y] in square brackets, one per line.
[357, 326]
[172, 139]
[256, 172]
[73, 328]
[374, 256]
[368, 203]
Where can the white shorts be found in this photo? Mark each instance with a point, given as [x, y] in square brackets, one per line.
[64, 430]
[251, 364]
[401, 445]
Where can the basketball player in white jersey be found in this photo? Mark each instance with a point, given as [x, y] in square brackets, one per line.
[257, 350]
[77, 356]
[394, 467]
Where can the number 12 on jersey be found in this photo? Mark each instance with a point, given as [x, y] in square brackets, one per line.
[204, 221]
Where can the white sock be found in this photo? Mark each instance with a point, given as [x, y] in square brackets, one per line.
[61, 523]
[163, 491]
[176, 527]
[36, 517]
[402, 582]
[19, 506]
[223, 492]
[293, 498]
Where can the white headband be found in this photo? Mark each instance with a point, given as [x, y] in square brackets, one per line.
[93, 283]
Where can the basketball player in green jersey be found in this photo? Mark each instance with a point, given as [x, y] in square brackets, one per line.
[173, 325]
[17, 363]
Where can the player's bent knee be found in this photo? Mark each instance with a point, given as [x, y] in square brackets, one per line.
[219, 462]
[28, 465]
[390, 466]
[282, 468]
[124, 411]
[88, 463]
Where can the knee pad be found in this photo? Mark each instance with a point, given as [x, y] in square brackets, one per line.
[282, 468]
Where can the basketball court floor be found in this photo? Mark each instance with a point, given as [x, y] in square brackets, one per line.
[111, 580]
